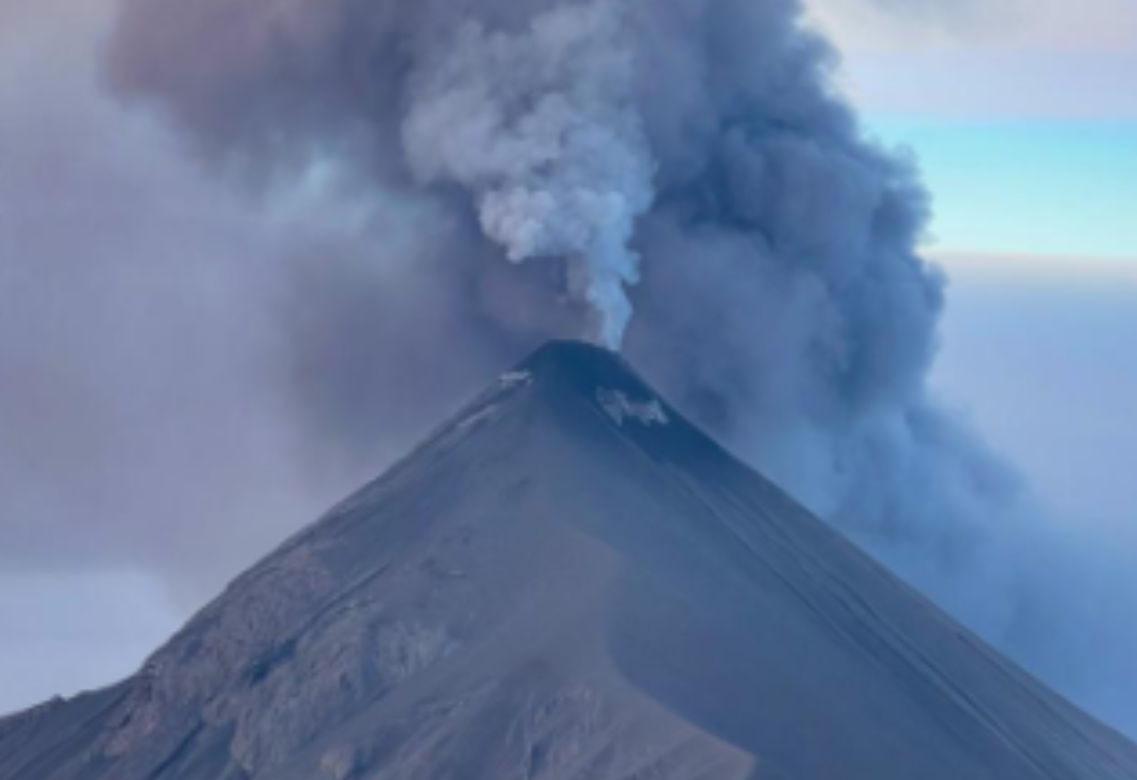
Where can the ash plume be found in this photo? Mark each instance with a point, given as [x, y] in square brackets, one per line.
[537, 124]
[779, 298]
[675, 177]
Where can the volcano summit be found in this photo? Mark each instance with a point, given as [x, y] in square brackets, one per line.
[568, 581]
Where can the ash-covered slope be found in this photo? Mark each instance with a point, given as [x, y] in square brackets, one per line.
[568, 581]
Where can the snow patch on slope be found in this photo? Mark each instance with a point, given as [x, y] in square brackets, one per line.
[620, 407]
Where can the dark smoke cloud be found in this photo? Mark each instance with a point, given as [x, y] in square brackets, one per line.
[501, 172]
[780, 298]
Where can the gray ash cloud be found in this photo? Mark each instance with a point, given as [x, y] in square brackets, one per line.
[678, 177]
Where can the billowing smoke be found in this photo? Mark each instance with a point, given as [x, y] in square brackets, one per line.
[510, 171]
[780, 299]
[539, 126]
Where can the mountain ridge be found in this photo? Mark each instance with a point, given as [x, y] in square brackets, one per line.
[568, 580]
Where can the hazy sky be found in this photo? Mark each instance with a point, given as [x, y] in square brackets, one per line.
[1022, 115]
[1045, 358]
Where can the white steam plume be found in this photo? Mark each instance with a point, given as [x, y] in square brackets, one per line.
[539, 125]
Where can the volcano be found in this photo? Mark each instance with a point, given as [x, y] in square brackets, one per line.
[568, 581]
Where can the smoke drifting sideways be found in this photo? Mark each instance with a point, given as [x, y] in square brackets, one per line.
[511, 171]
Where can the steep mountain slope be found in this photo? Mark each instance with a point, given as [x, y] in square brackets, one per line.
[568, 581]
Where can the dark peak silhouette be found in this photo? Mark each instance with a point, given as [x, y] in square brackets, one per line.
[568, 581]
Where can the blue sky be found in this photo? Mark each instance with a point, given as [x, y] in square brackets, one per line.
[1022, 114]
[1042, 187]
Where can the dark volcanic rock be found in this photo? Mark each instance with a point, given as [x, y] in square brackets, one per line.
[570, 582]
